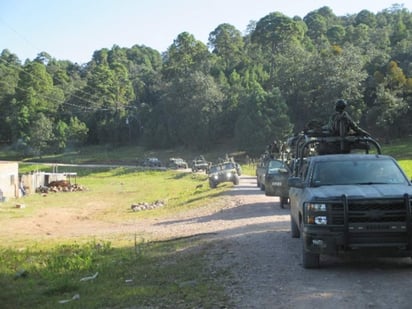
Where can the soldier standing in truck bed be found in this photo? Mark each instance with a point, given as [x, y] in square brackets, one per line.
[341, 117]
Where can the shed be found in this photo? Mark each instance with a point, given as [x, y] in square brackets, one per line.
[9, 180]
[36, 180]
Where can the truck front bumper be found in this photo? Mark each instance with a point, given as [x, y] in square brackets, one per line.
[336, 241]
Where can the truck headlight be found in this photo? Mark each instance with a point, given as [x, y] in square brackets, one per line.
[315, 213]
[228, 175]
[321, 220]
[316, 207]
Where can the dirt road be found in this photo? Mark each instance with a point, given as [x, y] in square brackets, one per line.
[257, 247]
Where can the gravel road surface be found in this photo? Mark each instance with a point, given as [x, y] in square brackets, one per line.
[257, 247]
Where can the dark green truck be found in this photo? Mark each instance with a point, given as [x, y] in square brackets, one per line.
[355, 203]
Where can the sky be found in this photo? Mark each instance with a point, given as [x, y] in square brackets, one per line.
[74, 29]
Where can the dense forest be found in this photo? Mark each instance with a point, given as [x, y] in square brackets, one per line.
[250, 88]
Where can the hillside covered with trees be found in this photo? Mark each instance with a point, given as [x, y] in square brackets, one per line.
[251, 87]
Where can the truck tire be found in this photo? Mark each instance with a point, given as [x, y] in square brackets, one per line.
[283, 202]
[294, 228]
[236, 181]
[309, 260]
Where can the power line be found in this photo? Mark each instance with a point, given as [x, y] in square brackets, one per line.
[72, 95]
[19, 35]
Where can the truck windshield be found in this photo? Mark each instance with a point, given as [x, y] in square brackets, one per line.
[229, 166]
[357, 172]
[274, 166]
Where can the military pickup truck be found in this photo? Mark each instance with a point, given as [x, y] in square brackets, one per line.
[223, 172]
[350, 202]
[200, 164]
[260, 172]
[276, 180]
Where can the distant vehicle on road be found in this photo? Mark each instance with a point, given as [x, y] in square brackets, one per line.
[152, 162]
[276, 180]
[177, 163]
[223, 172]
[200, 164]
[261, 169]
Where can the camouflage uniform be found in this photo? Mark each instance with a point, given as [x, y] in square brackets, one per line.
[341, 117]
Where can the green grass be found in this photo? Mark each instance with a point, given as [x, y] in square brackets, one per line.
[134, 270]
[167, 274]
[249, 169]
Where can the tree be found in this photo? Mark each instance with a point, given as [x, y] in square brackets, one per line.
[275, 33]
[227, 44]
[263, 118]
[35, 94]
[68, 135]
[108, 94]
[190, 108]
[367, 18]
[77, 132]
[41, 135]
[317, 27]
[185, 56]
[389, 107]
[336, 34]
[335, 73]
[9, 76]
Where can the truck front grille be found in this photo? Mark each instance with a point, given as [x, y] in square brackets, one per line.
[377, 212]
[373, 221]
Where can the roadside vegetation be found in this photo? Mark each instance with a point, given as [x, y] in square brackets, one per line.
[99, 274]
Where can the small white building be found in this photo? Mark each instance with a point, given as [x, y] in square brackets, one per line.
[9, 180]
[14, 186]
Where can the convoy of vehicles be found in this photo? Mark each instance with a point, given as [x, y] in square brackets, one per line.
[345, 197]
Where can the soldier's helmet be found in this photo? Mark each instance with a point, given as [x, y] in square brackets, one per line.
[340, 105]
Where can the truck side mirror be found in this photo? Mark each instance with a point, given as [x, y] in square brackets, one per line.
[295, 182]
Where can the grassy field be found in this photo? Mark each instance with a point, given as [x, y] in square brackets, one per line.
[132, 271]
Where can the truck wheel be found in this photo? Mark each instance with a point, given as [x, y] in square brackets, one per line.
[236, 181]
[294, 228]
[283, 202]
[212, 184]
[257, 183]
[309, 260]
